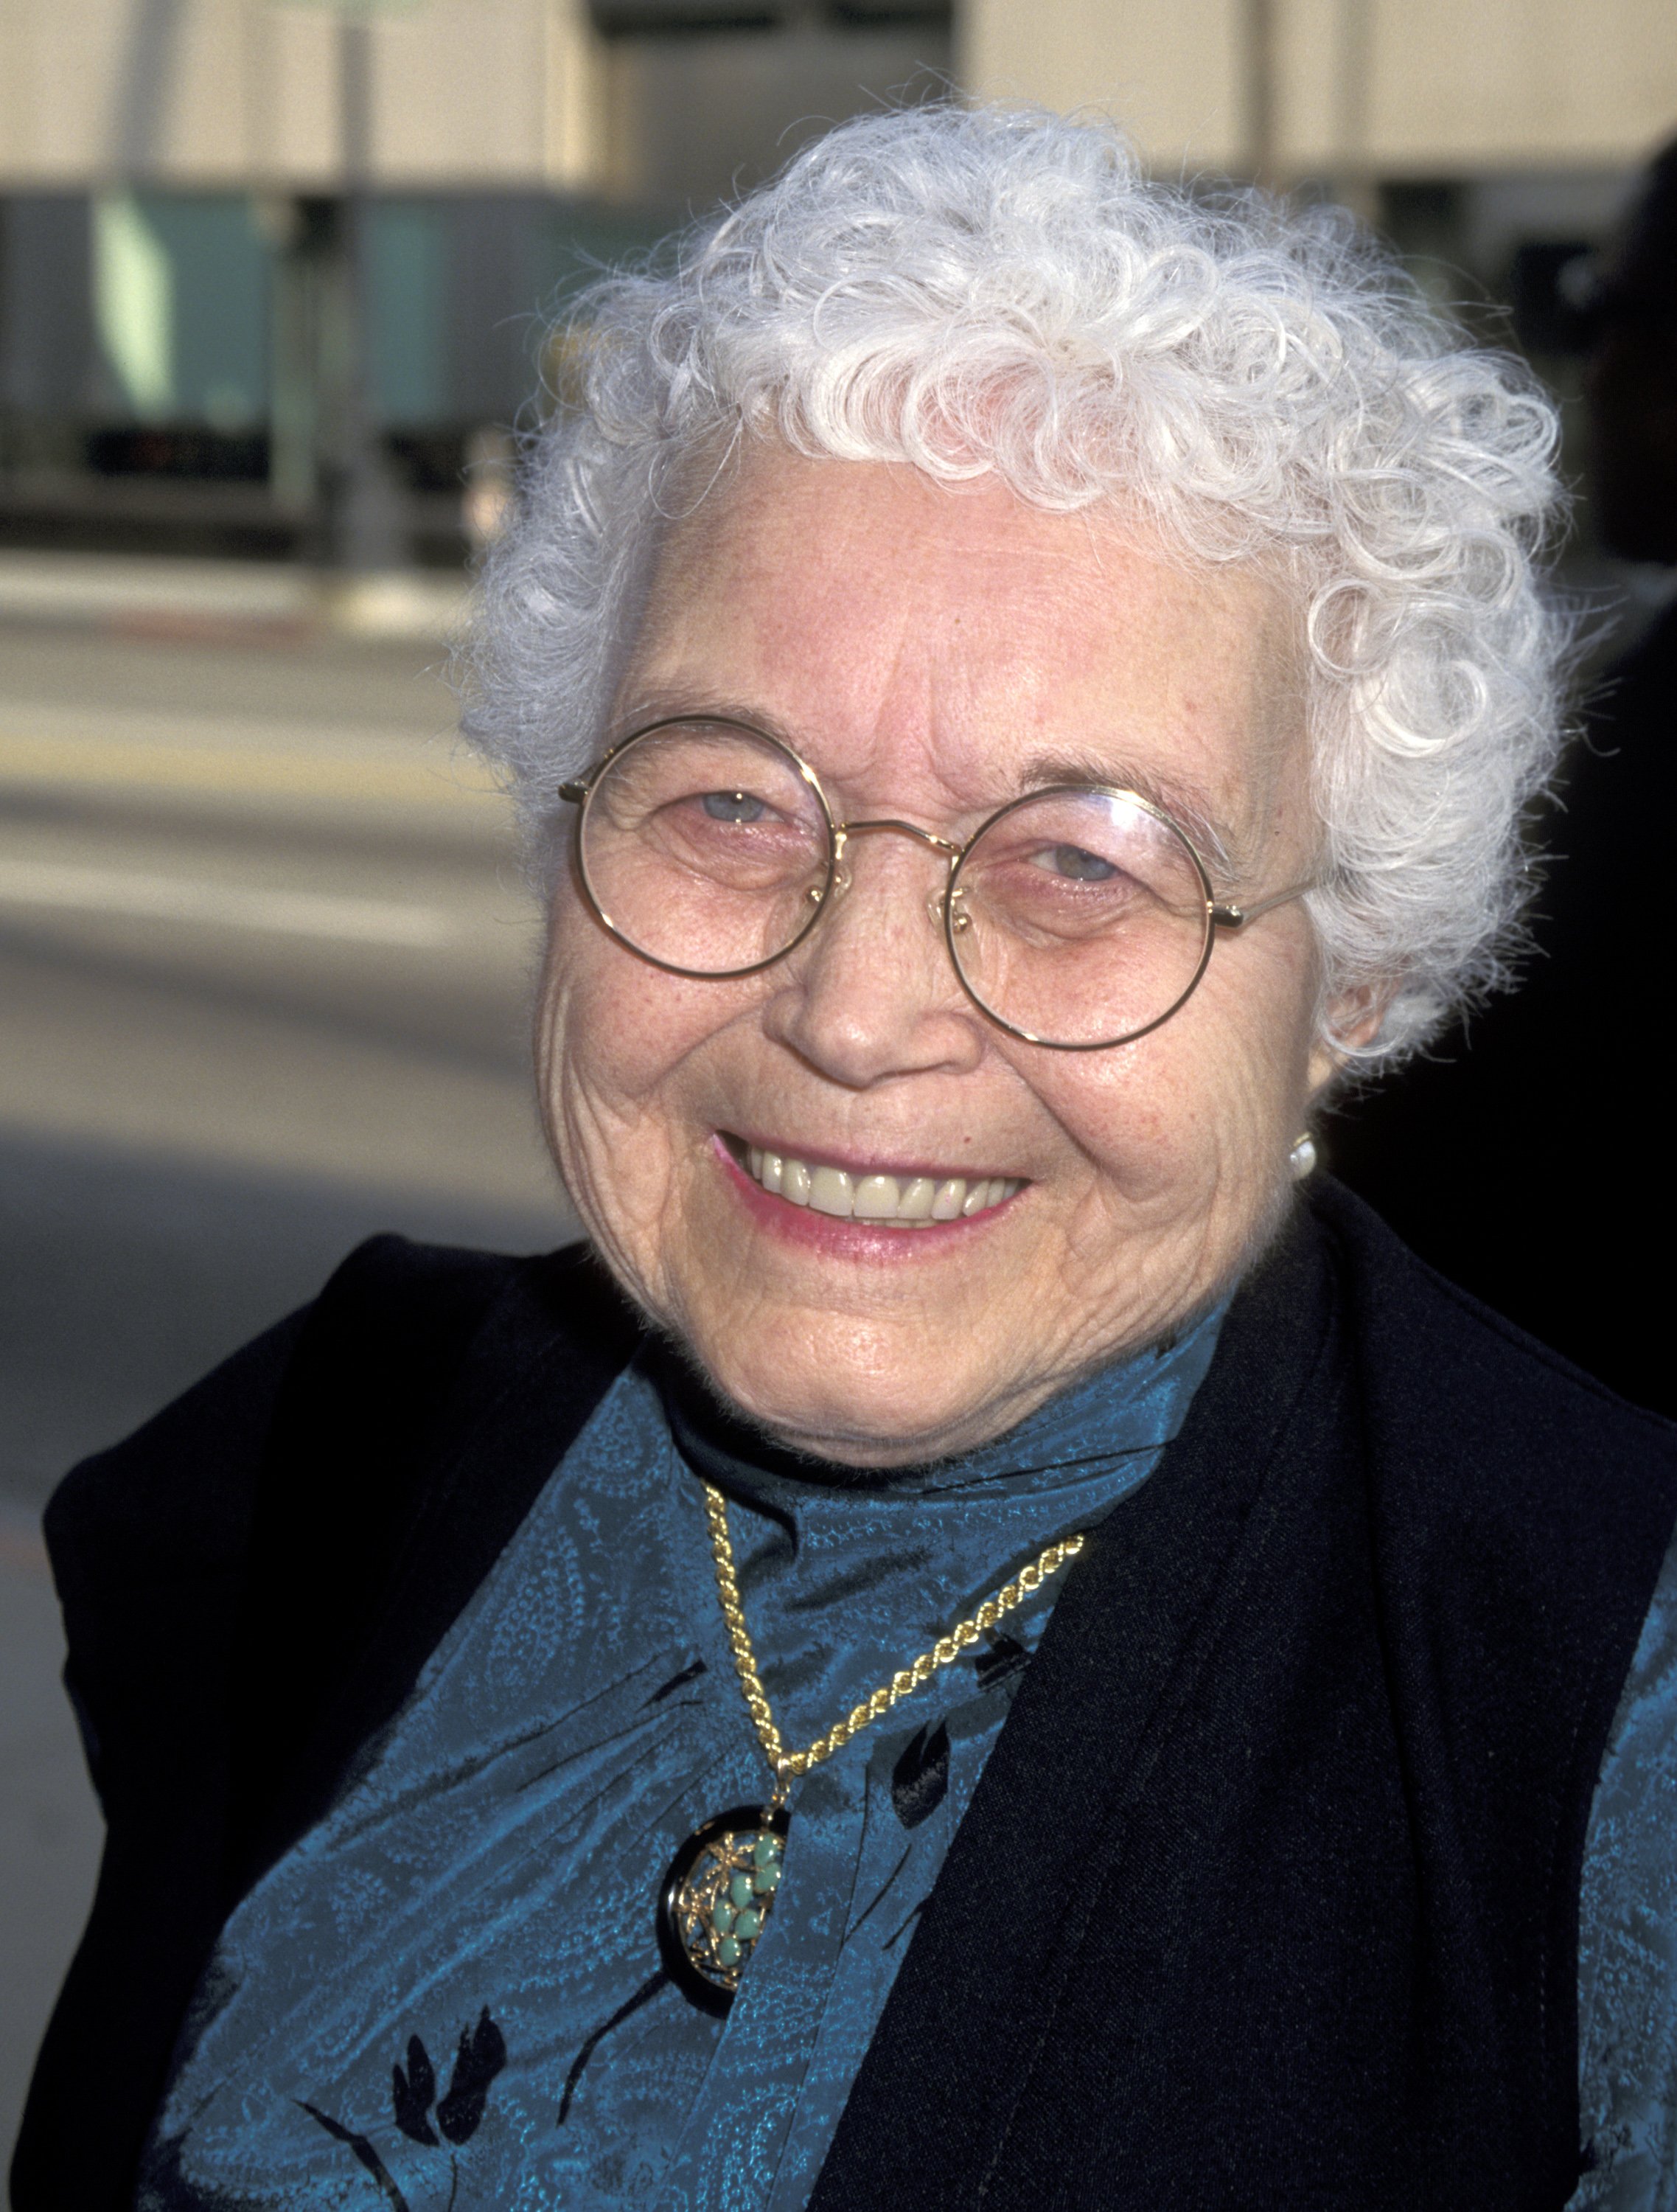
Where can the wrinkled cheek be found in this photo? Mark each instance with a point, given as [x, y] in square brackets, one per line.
[603, 1025]
[1177, 1132]
[1132, 1119]
[606, 1133]
[616, 1046]
[594, 1068]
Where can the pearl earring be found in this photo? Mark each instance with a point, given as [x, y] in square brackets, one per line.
[1301, 1156]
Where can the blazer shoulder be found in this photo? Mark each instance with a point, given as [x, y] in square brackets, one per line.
[155, 1486]
[150, 1540]
[174, 1494]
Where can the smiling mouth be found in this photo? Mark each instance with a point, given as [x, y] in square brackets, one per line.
[886, 1202]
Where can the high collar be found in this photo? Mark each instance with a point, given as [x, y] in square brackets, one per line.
[1129, 1406]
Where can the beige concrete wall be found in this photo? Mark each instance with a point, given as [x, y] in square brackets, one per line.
[1520, 84]
[242, 92]
[517, 93]
[1173, 70]
[1389, 87]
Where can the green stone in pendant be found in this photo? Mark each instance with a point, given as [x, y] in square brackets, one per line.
[715, 1899]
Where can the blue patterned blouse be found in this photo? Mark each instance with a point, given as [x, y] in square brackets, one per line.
[449, 1997]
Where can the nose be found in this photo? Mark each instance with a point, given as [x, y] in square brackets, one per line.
[871, 993]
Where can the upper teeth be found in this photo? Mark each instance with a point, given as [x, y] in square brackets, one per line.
[909, 1201]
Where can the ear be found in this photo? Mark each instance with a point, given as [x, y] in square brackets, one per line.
[1353, 1017]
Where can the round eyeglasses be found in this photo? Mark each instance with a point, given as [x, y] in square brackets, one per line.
[1077, 917]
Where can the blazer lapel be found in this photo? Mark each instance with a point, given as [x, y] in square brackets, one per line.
[973, 2003]
[427, 1414]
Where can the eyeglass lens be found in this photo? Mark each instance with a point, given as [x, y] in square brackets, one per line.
[705, 848]
[1076, 918]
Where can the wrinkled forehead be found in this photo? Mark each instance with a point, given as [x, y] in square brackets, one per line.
[942, 647]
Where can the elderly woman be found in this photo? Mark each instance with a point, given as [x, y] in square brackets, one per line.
[992, 1640]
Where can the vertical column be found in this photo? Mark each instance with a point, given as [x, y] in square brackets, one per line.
[1259, 29]
[368, 523]
[300, 231]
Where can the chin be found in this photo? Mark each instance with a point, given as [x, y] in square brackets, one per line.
[837, 1408]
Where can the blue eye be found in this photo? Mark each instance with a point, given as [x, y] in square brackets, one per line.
[1082, 867]
[733, 806]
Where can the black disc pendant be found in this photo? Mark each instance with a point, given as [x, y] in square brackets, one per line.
[717, 1893]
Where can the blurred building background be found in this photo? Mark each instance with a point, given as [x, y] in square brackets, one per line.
[237, 235]
[275, 277]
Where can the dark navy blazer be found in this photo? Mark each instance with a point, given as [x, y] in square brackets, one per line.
[1268, 1893]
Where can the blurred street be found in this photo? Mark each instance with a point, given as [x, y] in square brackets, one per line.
[263, 964]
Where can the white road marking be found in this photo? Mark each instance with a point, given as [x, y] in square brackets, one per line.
[183, 898]
[63, 745]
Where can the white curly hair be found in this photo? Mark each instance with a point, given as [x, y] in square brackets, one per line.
[989, 291]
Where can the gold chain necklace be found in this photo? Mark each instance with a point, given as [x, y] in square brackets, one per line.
[722, 1883]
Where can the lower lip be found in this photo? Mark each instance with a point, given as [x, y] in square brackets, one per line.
[844, 1237]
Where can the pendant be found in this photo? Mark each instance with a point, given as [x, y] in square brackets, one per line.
[715, 1898]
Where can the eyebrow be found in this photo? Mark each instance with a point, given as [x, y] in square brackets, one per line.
[1215, 839]
[1186, 805]
[652, 707]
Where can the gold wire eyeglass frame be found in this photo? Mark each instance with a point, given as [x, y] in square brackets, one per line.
[1219, 913]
